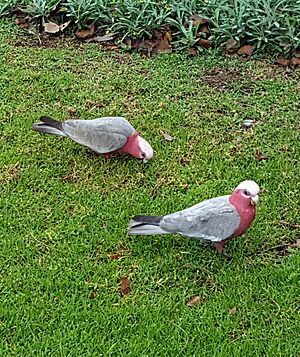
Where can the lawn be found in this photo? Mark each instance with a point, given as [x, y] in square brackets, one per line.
[64, 212]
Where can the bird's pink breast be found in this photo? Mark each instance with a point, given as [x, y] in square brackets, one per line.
[131, 147]
[245, 211]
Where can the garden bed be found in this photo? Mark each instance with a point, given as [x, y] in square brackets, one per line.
[240, 27]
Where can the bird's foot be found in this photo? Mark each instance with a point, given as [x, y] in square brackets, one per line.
[220, 249]
[108, 155]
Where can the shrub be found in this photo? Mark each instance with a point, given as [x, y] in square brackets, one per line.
[39, 9]
[87, 11]
[5, 7]
[265, 24]
[136, 19]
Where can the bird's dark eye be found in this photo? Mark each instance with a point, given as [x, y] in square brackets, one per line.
[247, 193]
[143, 155]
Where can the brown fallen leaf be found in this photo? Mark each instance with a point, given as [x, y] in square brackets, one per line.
[295, 61]
[204, 29]
[112, 47]
[259, 155]
[231, 45]
[82, 34]
[51, 27]
[92, 295]
[20, 21]
[246, 50]
[105, 38]
[167, 136]
[282, 61]
[114, 256]
[204, 43]
[124, 286]
[232, 311]
[197, 20]
[192, 52]
[162, 46]
[195, 300]
[167, 36]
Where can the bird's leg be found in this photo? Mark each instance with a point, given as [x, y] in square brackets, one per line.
[220, 249]
[108, 155]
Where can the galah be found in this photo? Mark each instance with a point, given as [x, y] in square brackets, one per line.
[214, 220]
[105, 136]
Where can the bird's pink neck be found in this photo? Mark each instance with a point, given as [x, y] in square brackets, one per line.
[132, 146]
[245, 210]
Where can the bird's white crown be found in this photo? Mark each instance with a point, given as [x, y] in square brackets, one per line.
[250, 186]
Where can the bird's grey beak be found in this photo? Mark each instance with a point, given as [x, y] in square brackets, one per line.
[254, 200]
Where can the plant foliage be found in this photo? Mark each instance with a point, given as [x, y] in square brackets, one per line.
[265, 24]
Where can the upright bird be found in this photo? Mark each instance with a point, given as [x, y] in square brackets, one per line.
[105, 136]
[215, 220]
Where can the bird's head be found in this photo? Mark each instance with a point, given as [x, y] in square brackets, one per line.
[248, 192]
[138, 148]
[146, 151]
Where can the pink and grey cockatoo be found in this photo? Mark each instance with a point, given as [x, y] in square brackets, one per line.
[215, 220]
[105, 136]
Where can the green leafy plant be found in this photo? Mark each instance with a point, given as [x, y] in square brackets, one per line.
[136, 19]
[87, 11]
[273, 24]
[6, 6]
[39, 9]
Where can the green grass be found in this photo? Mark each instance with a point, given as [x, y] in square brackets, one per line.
[63, 211]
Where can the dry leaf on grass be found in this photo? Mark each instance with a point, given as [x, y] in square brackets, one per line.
[204, 43]
[167, 136]
[20, 21]
[162, 46]
[232, 311]
[204, 29]
[92, 295]
[112, 47]
[124, 286]
[192, 52]
[195, 300]
[282, 61]
[260, 156]
[231, 44]
[51, 27]
[105, 38]
[246, 50]
[82, 34]
[295, 61]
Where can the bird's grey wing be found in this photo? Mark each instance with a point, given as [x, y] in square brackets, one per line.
[214, 220]
[101, 135]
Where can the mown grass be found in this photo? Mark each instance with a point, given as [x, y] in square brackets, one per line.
[64, 211]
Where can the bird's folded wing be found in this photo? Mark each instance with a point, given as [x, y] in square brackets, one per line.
[214, 220]
[101, 135]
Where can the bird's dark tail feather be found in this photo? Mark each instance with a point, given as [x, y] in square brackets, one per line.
[145, 225]
[48, 126]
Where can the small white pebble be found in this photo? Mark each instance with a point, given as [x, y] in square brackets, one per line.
[248, 123]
